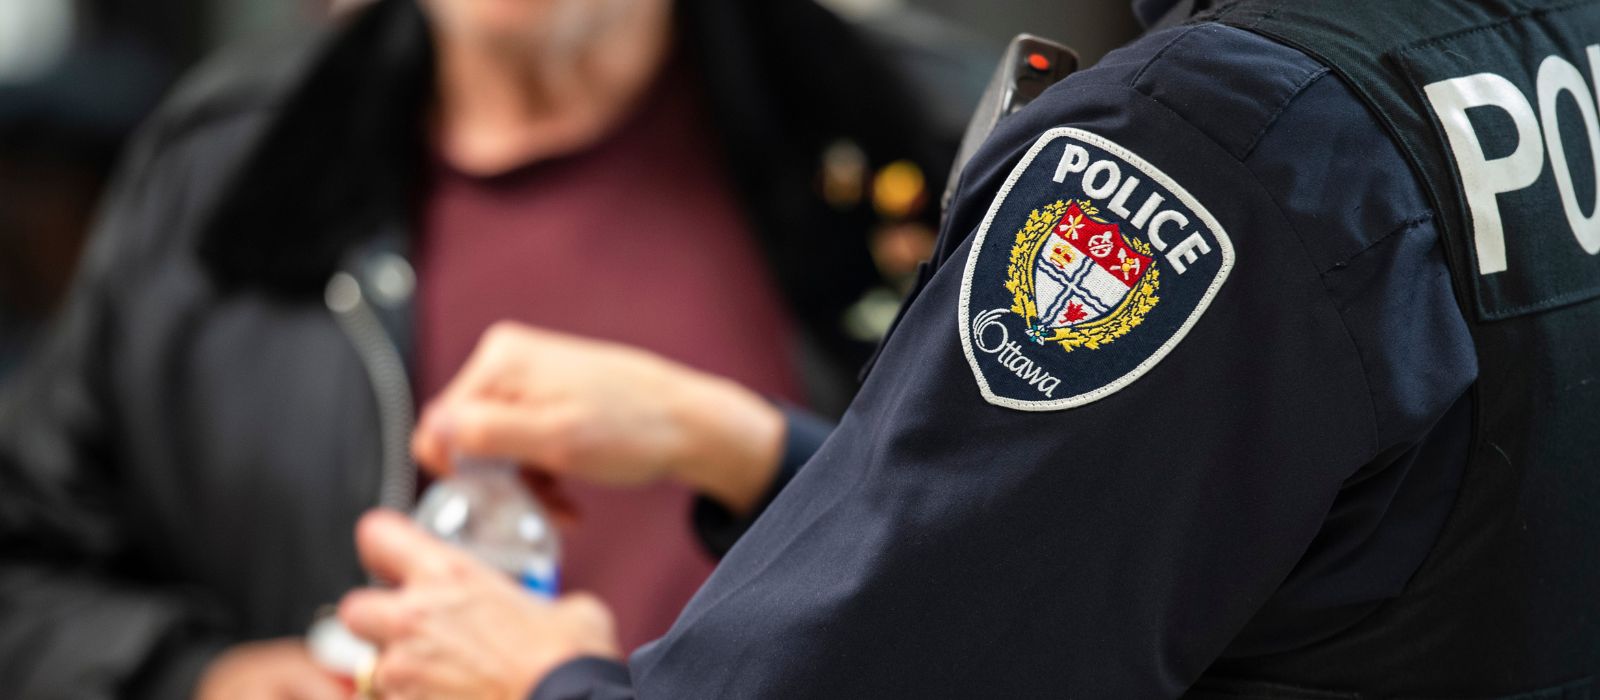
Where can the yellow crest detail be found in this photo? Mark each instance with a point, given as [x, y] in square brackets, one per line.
[1030, 242]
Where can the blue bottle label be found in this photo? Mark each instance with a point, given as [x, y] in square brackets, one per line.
[546, 584]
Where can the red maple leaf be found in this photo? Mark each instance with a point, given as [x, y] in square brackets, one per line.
[1074, 313]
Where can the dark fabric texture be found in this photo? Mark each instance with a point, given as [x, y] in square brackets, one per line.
[183, 467]
[1505, 604]
[1277, 478]
[1389, 52]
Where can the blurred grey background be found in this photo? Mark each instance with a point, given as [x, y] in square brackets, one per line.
[1093, 27]
[77, 76]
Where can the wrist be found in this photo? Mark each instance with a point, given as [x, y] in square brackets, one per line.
[542, 669]
[581, 677]
[733, 443]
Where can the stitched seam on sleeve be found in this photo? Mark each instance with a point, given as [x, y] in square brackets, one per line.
[1399, 228]
[1268, 121]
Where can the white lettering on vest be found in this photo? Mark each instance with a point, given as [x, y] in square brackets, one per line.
[1557, 75]
[1483, 179]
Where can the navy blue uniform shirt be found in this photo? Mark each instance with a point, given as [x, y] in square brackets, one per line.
[1052, 484]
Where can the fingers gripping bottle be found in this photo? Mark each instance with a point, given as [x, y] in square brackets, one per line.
[484, 509]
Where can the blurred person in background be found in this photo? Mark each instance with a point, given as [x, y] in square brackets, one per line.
[306, 237]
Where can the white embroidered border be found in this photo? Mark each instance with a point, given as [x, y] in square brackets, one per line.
[964, 316]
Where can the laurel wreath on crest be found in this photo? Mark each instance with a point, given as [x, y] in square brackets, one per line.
[1019, 281]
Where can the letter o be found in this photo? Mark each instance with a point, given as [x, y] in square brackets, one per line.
[1113, 176]
[982, 324]
[1557, 75]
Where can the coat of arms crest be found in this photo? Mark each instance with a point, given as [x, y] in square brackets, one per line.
[1078, 280]
[1094, 251]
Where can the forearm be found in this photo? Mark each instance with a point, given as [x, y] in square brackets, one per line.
[739, 447]
[720, 528]
[733, 443]
[745, 450]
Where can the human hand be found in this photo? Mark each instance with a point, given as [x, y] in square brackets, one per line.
[456, 628]
[278, 669]
[603, 412]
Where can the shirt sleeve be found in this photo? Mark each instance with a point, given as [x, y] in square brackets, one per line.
[941, 544]
[585, 678]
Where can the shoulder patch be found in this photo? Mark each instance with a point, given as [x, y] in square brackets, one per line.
[1089, 268]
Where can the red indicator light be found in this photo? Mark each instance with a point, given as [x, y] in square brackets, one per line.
[1038, 62]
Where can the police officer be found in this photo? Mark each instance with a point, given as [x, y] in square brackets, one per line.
[1257, 361]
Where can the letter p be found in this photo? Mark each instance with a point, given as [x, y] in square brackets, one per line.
[1073, 160]
[1482, 178]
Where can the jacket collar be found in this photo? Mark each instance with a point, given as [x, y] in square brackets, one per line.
[336, 162]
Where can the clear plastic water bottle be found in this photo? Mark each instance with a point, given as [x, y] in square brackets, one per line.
[483, 508]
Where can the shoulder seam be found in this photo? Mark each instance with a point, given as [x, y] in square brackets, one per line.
[1402, 227]
[1270, 111]
[1355, 348]
[1138, 75]
[1272, 119]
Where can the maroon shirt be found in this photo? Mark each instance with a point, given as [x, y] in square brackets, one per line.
[640, 240]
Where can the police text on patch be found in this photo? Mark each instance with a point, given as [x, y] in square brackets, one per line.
[1089, 268]
[1103, 178]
